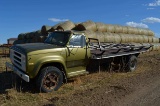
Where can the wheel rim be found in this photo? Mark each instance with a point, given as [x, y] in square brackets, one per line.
[133, 63]
[50, 81]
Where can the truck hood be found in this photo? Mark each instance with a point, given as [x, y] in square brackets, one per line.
[30, 47]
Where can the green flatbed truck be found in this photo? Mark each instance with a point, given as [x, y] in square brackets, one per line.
[66, 54]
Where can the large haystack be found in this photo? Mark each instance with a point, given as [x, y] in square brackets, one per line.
[101, 31]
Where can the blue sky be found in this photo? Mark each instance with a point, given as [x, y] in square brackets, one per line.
[20, 16]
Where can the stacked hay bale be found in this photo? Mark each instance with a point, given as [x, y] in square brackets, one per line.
[103, 32]
[118, 34]
[31, 37]
[40, 35]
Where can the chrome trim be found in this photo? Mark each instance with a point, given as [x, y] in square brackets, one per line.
[18, 59]
[24, 76]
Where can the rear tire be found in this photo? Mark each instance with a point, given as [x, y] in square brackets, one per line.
[50, 79]
[131, 64]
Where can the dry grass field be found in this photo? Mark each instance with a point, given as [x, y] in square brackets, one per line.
[81, 91]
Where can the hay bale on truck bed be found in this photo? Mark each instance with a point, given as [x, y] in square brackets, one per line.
[118, 29]
[150, 39]
[145, 32]
[139, 38]
[125, 29]
[100, 36]
[90, 34]
[145, 39]
[133, 30]
[150, 33]
[111, 37]
[118, 39]
[108, 37]
[110, 28]
[124, 38]
[88, 25]
[68, 25]
[155, 40]
[101, 27]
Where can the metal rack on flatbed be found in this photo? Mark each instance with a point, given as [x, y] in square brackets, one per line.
[108, 50]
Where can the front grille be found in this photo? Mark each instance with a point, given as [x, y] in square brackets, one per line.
[18, 59]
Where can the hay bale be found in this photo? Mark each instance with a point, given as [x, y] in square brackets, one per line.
[131, 30]
[118, 29]
[150, 39]
[54, 28]
[109, 37]
[27, 35]
[124, 38]
[125, 29]
[144, 32]
[38, 33]
[45, 29]
[136, 31]
[21, 36]
[100, 36]
[18, 42]
[156, 46]
[117, 38]
[145, 39]
[139, 38]
[101, 27]
[147, 32]
[155, 40]
[30, 35]
[90, 34]
[110, 28]
[68, 25]
[38, 39]
[132, 38]
[150, 33]
[88, 25]
[128, 38]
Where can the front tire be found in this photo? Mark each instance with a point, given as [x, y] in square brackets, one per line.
[50, 79]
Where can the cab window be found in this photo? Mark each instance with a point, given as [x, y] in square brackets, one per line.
[77, 40]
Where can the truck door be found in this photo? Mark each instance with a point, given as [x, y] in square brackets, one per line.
[77, 53]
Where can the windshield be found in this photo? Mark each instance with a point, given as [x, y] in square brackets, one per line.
[58, 38]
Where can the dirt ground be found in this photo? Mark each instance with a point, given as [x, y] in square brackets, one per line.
[139, 88]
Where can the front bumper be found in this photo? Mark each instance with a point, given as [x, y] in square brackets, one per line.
[18, 72]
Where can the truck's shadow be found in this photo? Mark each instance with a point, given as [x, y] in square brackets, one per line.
[9, 80]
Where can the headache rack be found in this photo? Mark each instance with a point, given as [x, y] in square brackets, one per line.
[107, 50]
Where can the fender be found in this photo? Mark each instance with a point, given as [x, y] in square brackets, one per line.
[45, 60]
